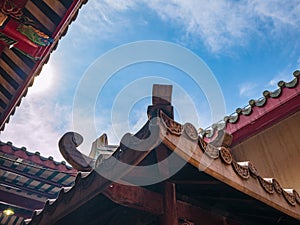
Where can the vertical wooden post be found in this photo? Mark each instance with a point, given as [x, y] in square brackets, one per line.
[170, 208]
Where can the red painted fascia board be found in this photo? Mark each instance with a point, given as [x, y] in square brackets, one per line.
[275, 110]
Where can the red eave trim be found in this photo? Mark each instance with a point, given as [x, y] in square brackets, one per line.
[275, 110]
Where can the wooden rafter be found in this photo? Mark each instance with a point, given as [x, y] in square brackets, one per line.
[31, 176]
[28, 189]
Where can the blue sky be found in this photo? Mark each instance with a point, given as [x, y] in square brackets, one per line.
[248, 45]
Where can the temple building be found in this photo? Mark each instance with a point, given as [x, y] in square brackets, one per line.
[240, 171]
[28, 180]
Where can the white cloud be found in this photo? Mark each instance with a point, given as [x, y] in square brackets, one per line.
[248, 89]
[281, 13]
[45, 81]
[38, 125]
[100, 20]
[218, 24]
[280, 77]
[222, 24]
[121, 5]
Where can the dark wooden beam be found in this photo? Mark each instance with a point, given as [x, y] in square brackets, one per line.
[196, 182]
[21, 201]
[226, 200]
[161, 94]
[162, 154]
[161, 100]
[135, 197]
[153, 203]
[170, 205]
[67, 147]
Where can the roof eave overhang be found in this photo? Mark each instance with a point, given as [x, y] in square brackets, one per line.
[220, 164]
[44, 57]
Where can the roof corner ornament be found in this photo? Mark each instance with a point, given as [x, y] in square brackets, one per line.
[68, 148]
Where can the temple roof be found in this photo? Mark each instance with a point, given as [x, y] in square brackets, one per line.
[28, 180]
[29, 32]
[212, 178]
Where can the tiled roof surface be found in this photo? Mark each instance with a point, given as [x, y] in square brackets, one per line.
[36, 158]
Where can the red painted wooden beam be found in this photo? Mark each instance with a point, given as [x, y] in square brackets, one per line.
[2, 46]
[9, 6]
[44, 52]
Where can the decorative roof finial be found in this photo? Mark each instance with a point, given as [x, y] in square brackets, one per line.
[161, 100]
